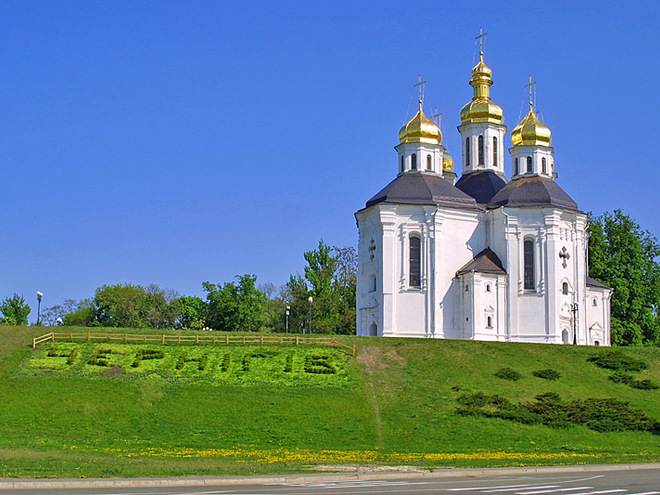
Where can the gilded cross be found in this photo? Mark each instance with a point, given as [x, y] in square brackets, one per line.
[420, 84]
[564, 255]
[481, 37]
[530, 85]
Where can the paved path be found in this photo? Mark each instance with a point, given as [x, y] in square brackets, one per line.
[636, 479]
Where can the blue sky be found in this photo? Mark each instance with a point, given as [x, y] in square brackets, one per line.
[178, 142]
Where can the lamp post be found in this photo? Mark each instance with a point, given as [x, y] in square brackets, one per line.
[311, 300]
[39, 297]
[288, 310]
[574, 310]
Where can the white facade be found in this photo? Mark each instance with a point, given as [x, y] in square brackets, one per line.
[483, 259]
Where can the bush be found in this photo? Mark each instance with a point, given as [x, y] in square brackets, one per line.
[548, 409]
[547, 374]
[507, 374]
[288, 367]
[72, 356]
[618, 361]
[99, 357]
[226, 360]
[621, 377]
[248, 358]
[146, 354]
[644, 384]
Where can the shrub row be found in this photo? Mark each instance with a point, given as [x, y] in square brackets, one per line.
[248, 357]
[318, 364]
[183, 359]
[71, 356]
[511, 374]
[614, 359]
[628, 379]
[548, 409]
[288, 366]
[547, 374]
[226, 359]
[144, 354]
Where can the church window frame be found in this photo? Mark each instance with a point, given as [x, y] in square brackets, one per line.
[495, 164]
[564, 288]
[544, 166]
[372, 283]
[415, 261]
[489, 322]
[594, 302]
[481, 151]
[429, 162]
[403, 163]
[487, 287]
[468, 162]
[413, 161]
[529, 165]
[515, 167]
[529, 265]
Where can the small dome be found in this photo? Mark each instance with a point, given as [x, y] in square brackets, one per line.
[531, 131]
[420, 129]
[481, 108]
[447, 162]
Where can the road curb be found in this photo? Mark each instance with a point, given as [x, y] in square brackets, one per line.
[315, 477]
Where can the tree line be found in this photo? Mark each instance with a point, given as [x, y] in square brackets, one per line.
[622, 256]
[320, 301]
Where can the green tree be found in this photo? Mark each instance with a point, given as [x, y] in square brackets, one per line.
[190, 312]
[624, 257]
[15, 311]
[134, 306]
[81, 313]
[236, 306]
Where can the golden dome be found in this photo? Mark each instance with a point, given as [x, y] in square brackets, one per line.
[531, 131]
[447, 162]
[420, 129]
[481, 108]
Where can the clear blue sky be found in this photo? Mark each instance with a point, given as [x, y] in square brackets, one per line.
[178, 142]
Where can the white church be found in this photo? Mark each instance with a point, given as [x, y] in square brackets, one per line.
[481, 257]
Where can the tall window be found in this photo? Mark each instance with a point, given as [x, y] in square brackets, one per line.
[403, 163]
[529, 164]
[467, 151]
[515, 168]
[544, 167]
[429, 162]
[495, 151]
[481, 150]
[413, 161]
[529, 264]
[415, 262]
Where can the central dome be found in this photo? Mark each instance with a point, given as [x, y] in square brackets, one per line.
[481, 108]
[420, 129]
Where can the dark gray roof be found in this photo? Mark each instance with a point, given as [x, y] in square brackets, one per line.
[482, 185]
[532, 191]
[423, 189]
[485, 262]
[595, 283]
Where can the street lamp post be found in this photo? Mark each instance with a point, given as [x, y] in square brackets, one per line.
[39, 297]
[311, 300]
[574, 310]
[288, 310]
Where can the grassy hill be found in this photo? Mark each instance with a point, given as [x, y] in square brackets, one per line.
[396, 403]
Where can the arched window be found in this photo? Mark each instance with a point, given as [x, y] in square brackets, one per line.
[564, 336]
[529, 264]
[564, 288]
[495, 151]
[515, 168]
[373, 330]
[403, 163]
[415, 261]
[594, 302]
[413, 161]
[529, 164]
[544, 167]
[467, 152]
[429, 162]
[481, 150]
[487, 287]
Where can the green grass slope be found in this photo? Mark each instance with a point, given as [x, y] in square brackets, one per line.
[396, 403]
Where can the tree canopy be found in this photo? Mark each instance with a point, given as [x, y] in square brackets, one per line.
[625, 257]
[15, 311]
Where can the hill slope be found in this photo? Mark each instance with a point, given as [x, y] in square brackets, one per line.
[396, 403]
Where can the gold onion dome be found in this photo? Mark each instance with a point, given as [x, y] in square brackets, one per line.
[447, 162]
[531, 131]
[420, 129]
[481, 108]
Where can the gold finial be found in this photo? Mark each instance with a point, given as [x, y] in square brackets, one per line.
[420, 85]
[530, 85]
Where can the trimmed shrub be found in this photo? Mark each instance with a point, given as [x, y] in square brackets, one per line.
[644, 384]
[621, 377]
[248, 358]
[100, 357]
[72, 357]
[288, 366]
[226, 360]
[146, 354]
[618, 361]
[507, 374]
[318, 364]
[547, 374]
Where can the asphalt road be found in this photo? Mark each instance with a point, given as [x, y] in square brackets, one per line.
[593, 481]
